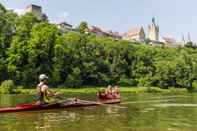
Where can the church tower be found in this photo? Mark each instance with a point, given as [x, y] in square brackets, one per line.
[153, 31]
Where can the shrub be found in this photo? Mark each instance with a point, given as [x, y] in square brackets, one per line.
[19, 89]
[7, 87]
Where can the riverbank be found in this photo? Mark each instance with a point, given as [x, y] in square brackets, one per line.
[134, 90]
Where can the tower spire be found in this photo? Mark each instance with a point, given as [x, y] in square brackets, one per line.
[183, 38]
[189, 38]
[153, 20]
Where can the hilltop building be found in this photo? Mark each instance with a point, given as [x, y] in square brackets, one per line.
[96, 30]
[183, 39]
[115, 35]
[35, 10]
[135, 34]
[169, 41]
[187, 39]
[101, 32]
[153, 31]
[65, 27]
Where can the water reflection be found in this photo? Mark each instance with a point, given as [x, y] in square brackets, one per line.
[141, 112]
[112, 110]
[47, 121]
[41, 121]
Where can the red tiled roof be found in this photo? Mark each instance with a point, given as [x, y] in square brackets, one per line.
[95, 29]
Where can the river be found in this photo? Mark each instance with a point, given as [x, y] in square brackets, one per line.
[142, 112]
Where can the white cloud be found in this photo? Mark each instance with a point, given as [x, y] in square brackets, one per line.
[64, 14]
[19, 11]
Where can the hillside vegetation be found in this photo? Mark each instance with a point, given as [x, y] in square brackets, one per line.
[29, 47]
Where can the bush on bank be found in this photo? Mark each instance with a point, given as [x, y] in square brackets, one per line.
[7, 87]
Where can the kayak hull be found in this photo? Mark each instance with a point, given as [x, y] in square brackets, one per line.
[67, 104]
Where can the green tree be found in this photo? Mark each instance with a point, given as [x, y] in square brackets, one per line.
[190, 70]
[73, 79]
[41, 50]
[190, 45]
[17, 53]
[83, 26]
[2, 9]
[66, 56]
[7, 30]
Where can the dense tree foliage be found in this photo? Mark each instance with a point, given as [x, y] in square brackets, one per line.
[7, 29]
[18, 51]
[83, 26]
[190, 45]
[29, 47]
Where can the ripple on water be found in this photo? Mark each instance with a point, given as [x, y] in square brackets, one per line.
[173, 129]
[174, 105]
[148, 109]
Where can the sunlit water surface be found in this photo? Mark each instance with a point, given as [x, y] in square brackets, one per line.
[144, 112]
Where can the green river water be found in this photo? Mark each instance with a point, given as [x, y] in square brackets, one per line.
[142, 112]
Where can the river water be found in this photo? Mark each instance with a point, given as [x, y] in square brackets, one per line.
[142, 112]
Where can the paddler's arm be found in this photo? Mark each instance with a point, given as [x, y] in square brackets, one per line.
[50, 93]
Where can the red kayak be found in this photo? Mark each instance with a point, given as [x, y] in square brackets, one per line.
[66, 104]
[103, 95]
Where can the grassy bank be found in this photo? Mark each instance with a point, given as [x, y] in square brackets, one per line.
[135, 90]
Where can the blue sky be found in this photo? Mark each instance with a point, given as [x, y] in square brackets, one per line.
[175, 17]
